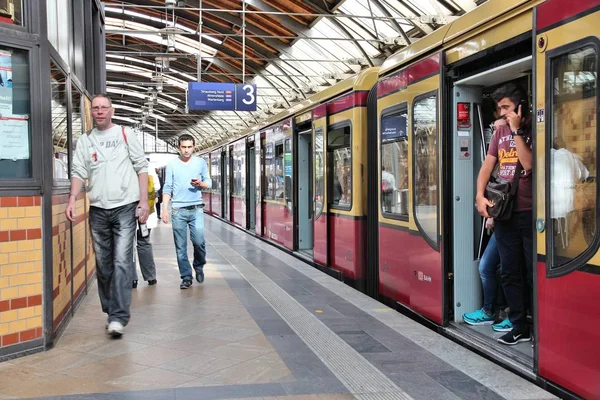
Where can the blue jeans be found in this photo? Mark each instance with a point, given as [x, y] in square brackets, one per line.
[515, 243]
[112, 234]
[181, 219]
[488, 271]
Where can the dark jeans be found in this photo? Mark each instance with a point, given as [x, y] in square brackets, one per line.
[112, 233]
[145, 257]
[515, 244]
[181, 220]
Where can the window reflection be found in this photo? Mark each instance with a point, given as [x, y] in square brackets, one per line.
[60, 134]
[215, 171]
[340, 162]
[425, 155]
[573, 179]
[394, 164]
[319, 169]
[11, 12]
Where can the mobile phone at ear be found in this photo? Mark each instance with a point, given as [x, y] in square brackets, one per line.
[524, 107]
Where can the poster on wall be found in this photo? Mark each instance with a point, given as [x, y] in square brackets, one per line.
[6, 95]
[14, 129]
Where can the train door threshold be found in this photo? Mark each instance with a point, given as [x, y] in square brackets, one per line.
[507, 356]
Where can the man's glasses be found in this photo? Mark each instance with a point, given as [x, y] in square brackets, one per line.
[103, 108]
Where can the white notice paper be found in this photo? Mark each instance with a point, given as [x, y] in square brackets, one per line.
[14, 137]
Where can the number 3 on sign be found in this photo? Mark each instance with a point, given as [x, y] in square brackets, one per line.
[246, 97]
[249, 95]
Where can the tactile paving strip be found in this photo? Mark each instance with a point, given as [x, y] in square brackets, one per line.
[361, 378]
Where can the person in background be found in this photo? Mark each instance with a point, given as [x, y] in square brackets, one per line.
[388, 185]
[112, 160]
[185, 179]
[161, 183]
[144, 247]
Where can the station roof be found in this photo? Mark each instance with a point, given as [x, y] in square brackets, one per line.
[293, 48]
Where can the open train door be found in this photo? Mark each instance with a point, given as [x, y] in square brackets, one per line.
[320, 233]
[567, 217]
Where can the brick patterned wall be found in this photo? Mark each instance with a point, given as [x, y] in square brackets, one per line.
[91, 255]
[80, 235]
[61, 259]
[20, 269]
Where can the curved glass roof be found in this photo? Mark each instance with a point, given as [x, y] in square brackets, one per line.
[293, 48]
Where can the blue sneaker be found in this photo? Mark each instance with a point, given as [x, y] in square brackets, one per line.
[479, 317]
[504, 326]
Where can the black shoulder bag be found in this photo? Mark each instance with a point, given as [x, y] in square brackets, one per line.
[502, 195]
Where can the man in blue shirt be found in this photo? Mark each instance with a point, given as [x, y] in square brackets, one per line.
[185, 178]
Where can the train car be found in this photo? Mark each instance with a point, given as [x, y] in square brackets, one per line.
[431, 237]
[374, 180]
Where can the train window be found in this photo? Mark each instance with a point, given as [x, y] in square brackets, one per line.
[239, 173]
[394, 162]
[319, 169]
[340, 173]
[425, 156]
[287, 171]
[215, 172]
[573, 159]
[274, 171]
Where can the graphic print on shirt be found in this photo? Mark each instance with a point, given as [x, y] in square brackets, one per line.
[102, 146]
[507, 157]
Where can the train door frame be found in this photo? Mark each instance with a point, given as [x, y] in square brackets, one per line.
[251, 183]
[475, 71]
[224, 173]
[372, 161]
[263, 141]
[321, 253]
[230, 182]
[303, 188]
[560, 29]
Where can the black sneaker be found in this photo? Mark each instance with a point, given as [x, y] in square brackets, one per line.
[185, 284]
[200, 276]
[134, 285]
[152, 282]
[515, 336]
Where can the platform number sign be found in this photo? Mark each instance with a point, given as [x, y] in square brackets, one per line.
[245, 97]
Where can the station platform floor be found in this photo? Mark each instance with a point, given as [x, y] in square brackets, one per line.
[263, 325]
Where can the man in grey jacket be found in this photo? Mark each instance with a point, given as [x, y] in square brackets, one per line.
[113, 162]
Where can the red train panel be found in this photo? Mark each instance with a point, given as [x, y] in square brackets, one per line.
[279, 224]
[215, 201]
[569, 331]
[259, 219]
[410, 272]
[320, 240]
[347, 246]
[238, 215]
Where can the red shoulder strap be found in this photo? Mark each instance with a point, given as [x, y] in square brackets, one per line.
[124, 135]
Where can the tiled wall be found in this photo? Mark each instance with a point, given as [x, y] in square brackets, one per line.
[20, 269]
[67, 272]
[61, 259]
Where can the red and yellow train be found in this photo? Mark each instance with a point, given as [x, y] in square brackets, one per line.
[310, 179]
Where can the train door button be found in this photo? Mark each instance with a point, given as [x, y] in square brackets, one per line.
[540, 225]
